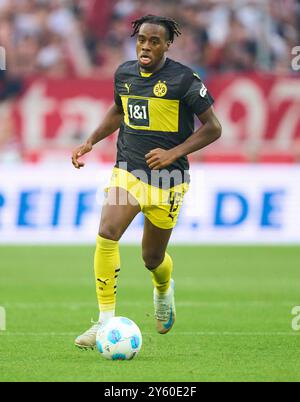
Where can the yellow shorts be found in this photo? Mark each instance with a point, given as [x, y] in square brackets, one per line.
[160, 206]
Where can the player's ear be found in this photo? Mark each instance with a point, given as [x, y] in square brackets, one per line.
[168, 44]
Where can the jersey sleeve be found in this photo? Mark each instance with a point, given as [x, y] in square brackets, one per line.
[197, 96]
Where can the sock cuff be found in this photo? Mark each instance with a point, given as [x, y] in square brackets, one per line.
[107, 308]
[106, 243]
[167, 260]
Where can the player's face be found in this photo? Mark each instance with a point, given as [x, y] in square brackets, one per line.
[152, 44]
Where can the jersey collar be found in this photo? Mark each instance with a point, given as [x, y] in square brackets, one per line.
[149, 75]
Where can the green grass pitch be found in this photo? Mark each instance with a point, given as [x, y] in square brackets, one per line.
[233, 315]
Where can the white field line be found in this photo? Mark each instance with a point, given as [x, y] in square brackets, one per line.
[175, 333]
[76, 305]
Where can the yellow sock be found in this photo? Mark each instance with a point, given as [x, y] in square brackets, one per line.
[107, 267]
[161, 276]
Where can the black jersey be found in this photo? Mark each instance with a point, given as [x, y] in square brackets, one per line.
[158, 112]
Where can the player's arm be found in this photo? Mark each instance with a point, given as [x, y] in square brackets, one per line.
[110, 124]
[210, 131]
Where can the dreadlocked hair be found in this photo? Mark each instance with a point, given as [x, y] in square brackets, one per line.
[171, 25]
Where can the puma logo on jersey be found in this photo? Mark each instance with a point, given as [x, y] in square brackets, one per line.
[128, 86]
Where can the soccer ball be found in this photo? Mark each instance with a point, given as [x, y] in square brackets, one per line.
[119, 339]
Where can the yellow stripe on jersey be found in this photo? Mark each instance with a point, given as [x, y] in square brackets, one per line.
[163, 114]
[146, 75]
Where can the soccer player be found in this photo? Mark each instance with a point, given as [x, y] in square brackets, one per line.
[156, 99]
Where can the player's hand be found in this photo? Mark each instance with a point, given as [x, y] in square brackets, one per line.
[79, 152]
[160, 158]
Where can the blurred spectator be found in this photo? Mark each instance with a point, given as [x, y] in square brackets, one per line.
[80, 38]
[43, 37]
[10, 147]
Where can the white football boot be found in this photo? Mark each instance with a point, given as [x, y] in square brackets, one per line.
[164, 307]
[88, 339]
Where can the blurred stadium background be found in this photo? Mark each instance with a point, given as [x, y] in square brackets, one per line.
[58, 83]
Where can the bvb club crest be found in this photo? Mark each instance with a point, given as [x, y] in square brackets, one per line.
[160, 89]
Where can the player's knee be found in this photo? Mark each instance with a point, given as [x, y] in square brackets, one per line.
[110, 232]
[152, 259]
